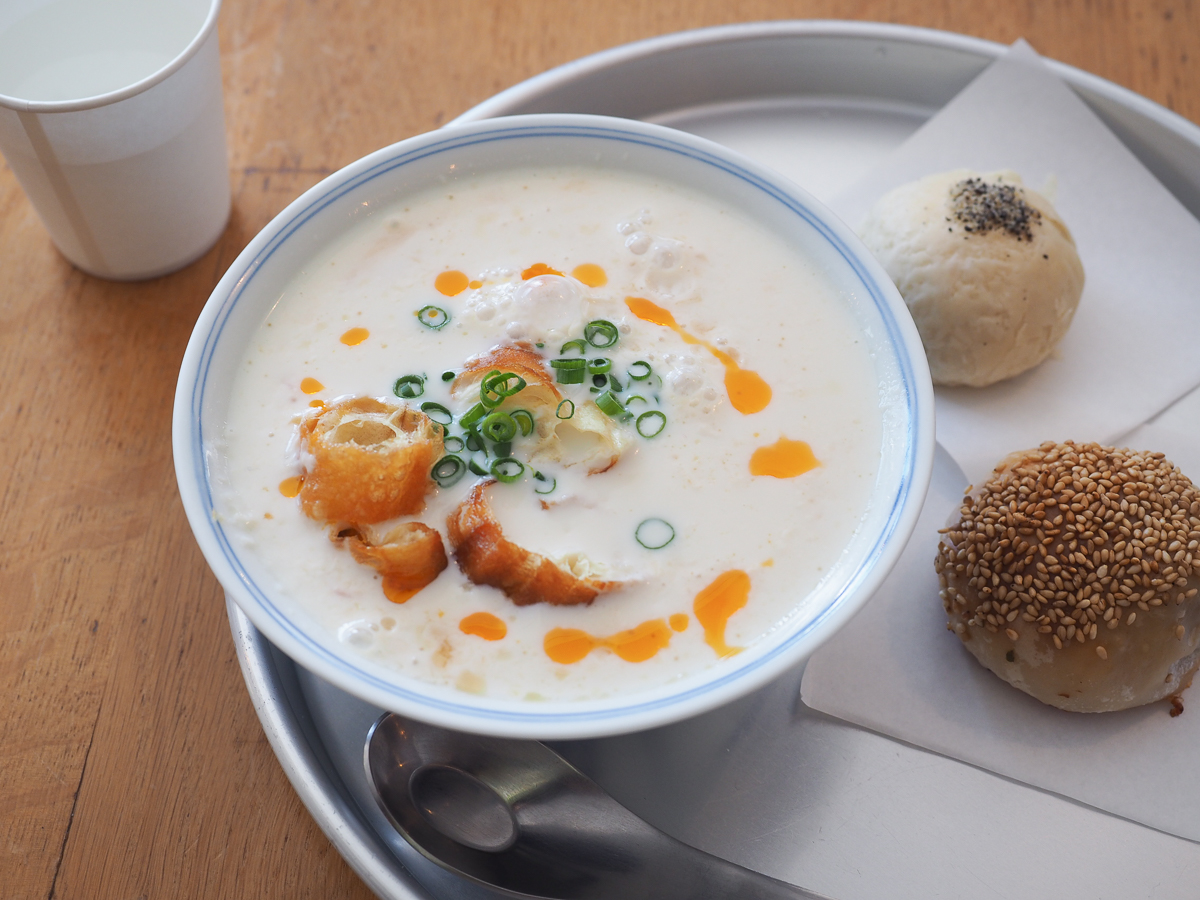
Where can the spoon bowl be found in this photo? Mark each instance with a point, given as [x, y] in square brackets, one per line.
[514, 815]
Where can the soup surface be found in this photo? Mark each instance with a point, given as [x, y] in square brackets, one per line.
[725, 508]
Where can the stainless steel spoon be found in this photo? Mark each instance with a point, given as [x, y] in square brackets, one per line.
[516, 816]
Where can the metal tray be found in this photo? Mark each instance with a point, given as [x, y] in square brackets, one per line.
[765, 782]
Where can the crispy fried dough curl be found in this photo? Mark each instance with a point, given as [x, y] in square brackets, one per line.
[589, 437]
[367, 461]
[487, 557]
[409, 557]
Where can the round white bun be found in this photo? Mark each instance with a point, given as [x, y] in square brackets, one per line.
[987, 268]
[1067, 574]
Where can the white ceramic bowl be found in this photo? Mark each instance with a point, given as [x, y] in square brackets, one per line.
[256, 280]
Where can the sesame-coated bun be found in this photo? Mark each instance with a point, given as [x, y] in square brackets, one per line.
[987, 268]
[1067, 574]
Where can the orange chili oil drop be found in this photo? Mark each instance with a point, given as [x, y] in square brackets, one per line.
[783, 459]
[538, 269]
[747, 391]
[590, 274]
[679, 621]
[311, 386]
[316, 404]
[484, 625]
[290, 487]
[570, 645]
[475, 285]
[714, 605]
[451, 283]
[354, 337]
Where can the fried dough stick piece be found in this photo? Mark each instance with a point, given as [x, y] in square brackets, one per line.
[367, 461]
[409, 557]
[487, 557]
[589, 437]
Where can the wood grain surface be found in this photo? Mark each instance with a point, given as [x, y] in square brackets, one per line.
[131, 762]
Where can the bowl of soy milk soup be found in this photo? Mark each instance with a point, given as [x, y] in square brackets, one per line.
[552, 426]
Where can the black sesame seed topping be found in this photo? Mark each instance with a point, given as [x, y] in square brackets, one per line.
[982, 207]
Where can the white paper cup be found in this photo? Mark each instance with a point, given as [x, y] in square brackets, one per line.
[111, 117]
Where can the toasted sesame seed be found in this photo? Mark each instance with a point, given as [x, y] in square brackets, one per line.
[1068, 536]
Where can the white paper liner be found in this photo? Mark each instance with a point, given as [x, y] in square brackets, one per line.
[1131, 349]
[895, 668]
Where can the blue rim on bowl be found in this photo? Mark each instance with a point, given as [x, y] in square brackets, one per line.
[248, 289]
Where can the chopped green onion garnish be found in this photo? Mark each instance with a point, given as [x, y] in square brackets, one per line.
[599, 365]
[558, 412]
[472, 415]
[539, 345]
[600, 381]
[654, 534]
[601, 333]
[581, 346]
[639, 371]
[447, 376]
[458, 444]
[433, 317]
[611, 406]
[476, 467]
[502, 448]
[632, 397]
[537, 488]
[437, 412]
[507, 469]
[475, 443]
[498, 427]
[447, 470]
[569, 371]
[651, 424]
[524, 420]
[614, 384]
[497, 385]
[409, 386]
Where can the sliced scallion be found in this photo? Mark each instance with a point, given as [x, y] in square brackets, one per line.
[524, 420]
[654, 534]
[477, 468]
[599, 365]
[507, 469]
[475, 443]
[600, 381]
[497, 386]
[614, 384]
[433, 317]
[629, 400]
[612, 407]
[542, 482]
[409, 386]
[651, 424]
[454, 444]
[558, 412]
[437, 412]
[601, 333]
[475, 414]
[498, 427]
[447, 470]
[639, 371]
[503, 448]
[581, 346]
[448, 376]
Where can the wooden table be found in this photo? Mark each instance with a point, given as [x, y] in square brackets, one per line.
[131, 762]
